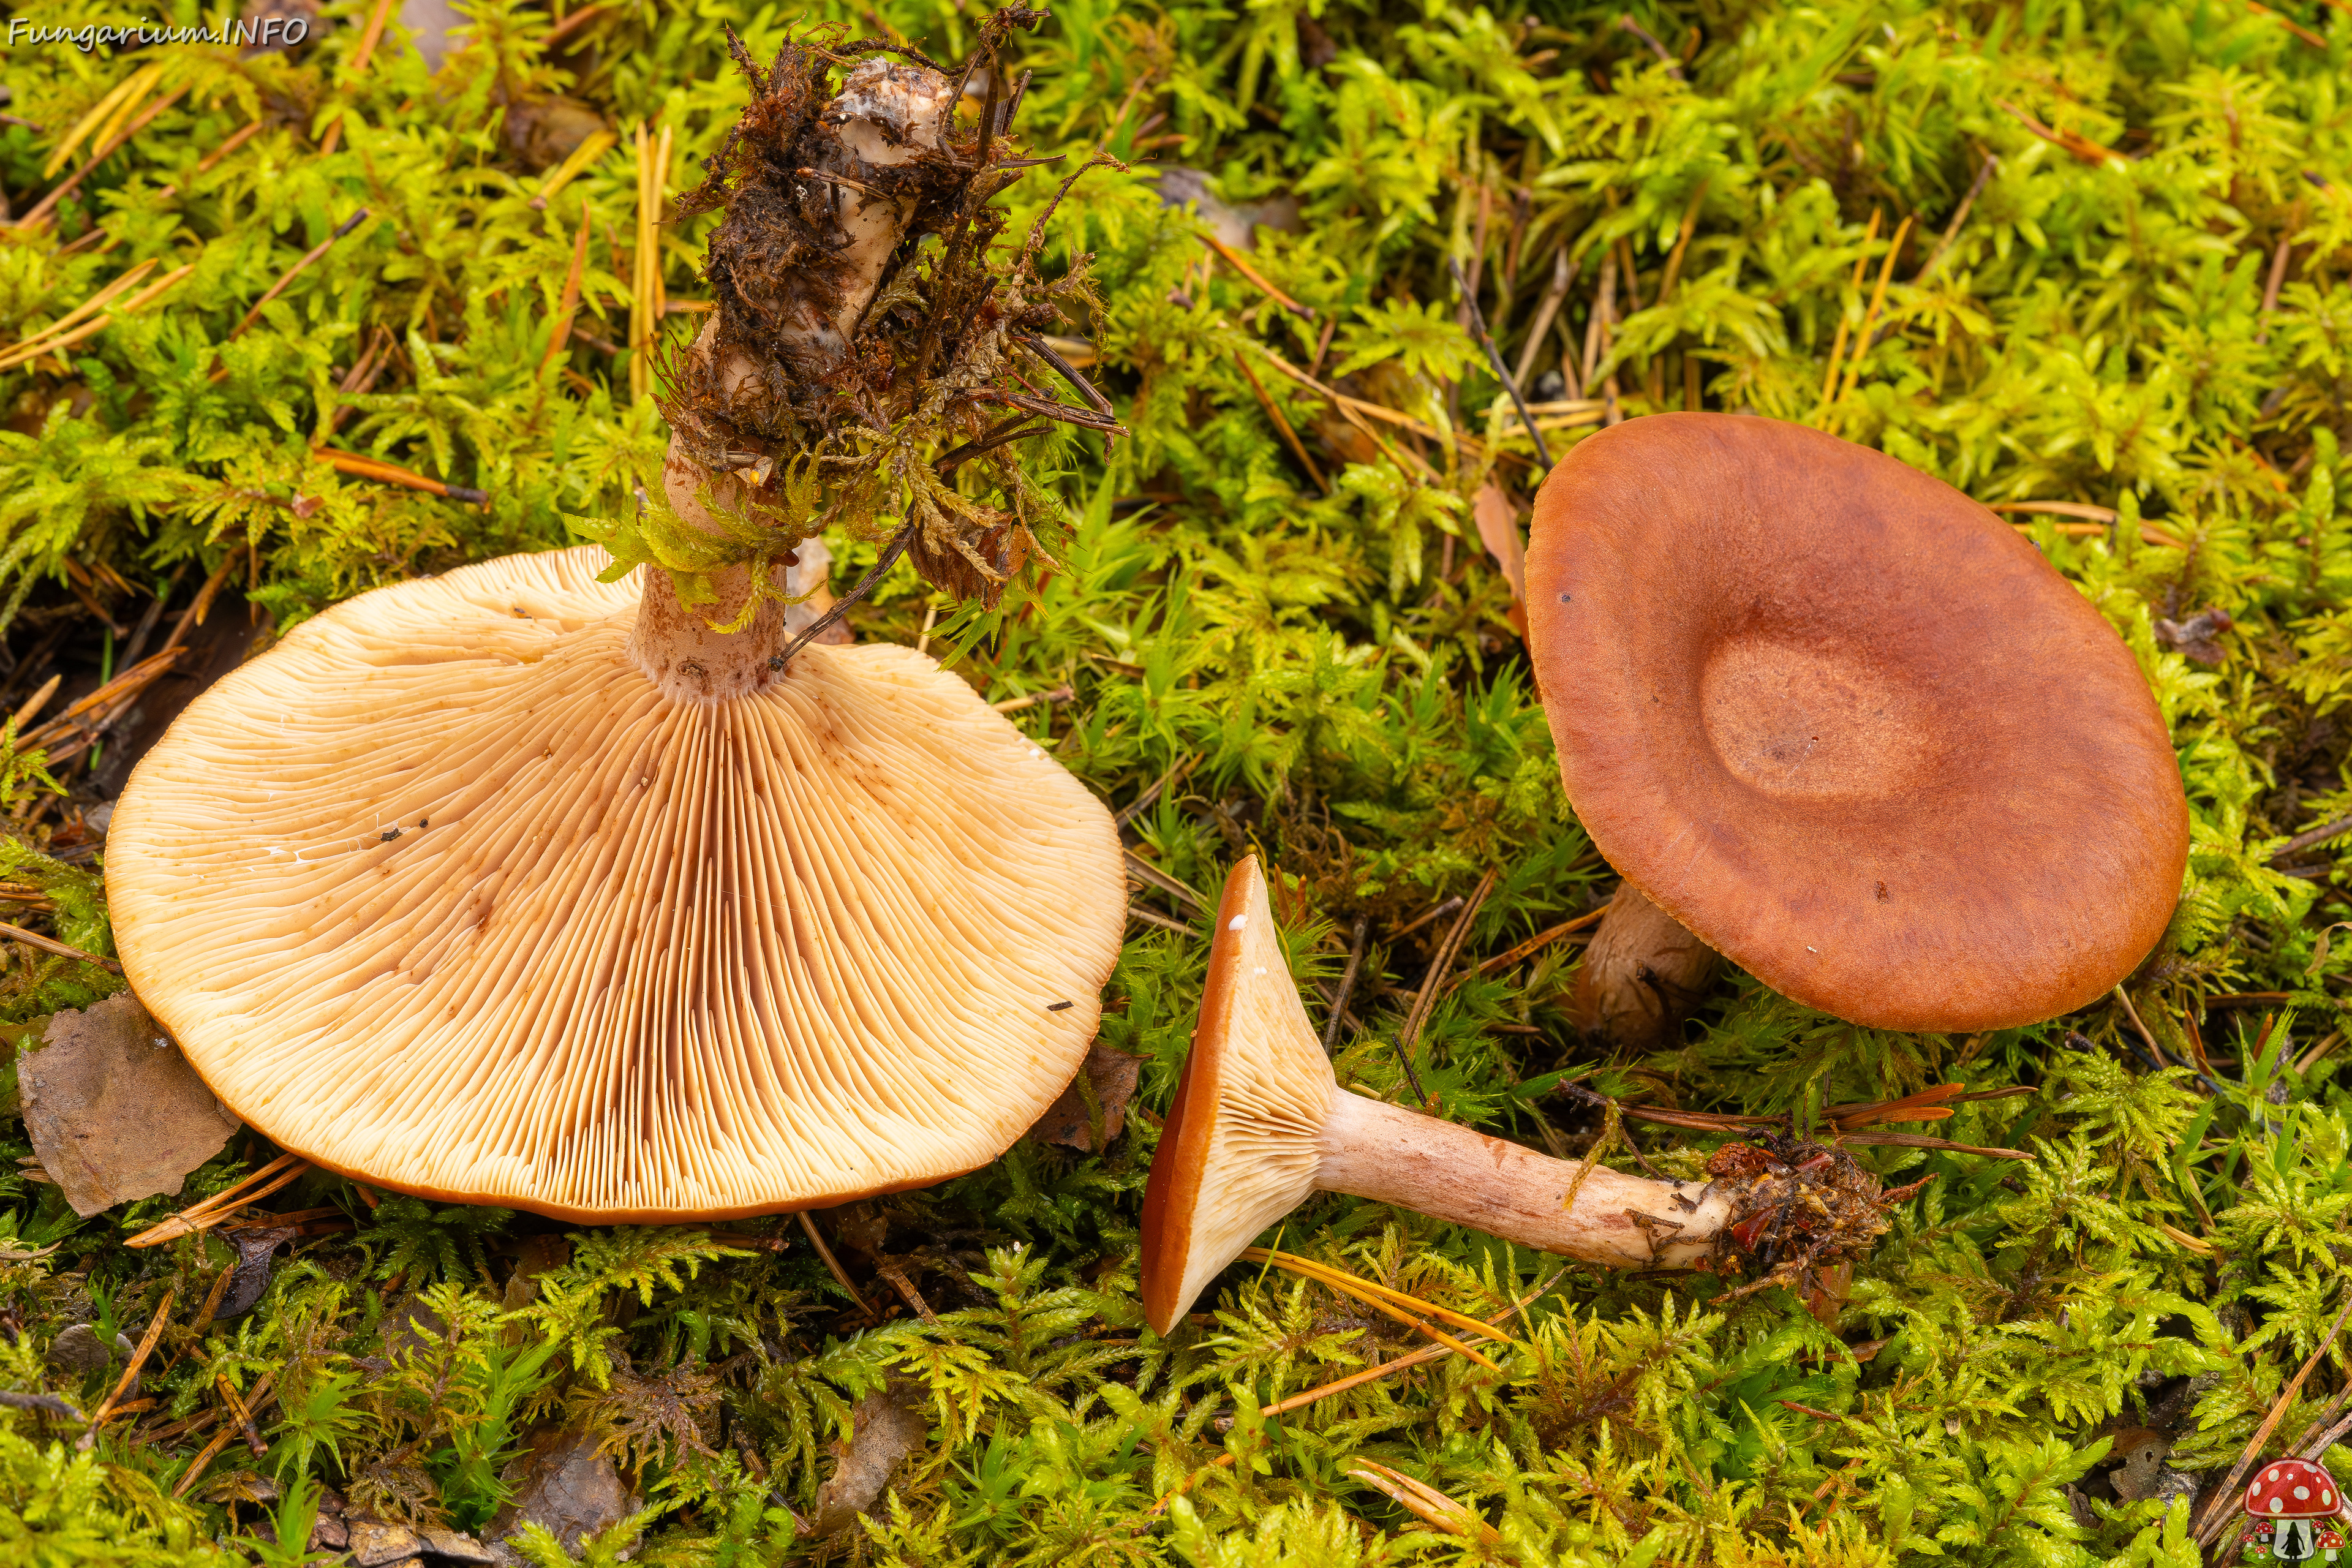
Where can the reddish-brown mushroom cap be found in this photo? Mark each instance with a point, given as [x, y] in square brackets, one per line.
[2293, 1488]
[1847, 726]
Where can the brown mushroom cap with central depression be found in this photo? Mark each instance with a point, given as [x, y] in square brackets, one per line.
[459, 890]
[1846, 726]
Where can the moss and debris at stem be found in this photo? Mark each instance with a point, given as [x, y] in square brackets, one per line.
[862, 366]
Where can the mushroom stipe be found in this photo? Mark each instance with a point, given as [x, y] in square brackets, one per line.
[1259, 1122]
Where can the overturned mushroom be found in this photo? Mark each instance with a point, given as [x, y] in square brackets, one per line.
[1259, 1122]
[1844, 725]
[605, 900]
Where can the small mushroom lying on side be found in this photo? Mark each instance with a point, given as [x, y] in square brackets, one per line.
[1260, 1122]
[1846, 728]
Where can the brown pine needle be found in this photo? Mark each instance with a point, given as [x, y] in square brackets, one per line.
[1281, 424]
[1406, 1300]
[587, 153]
[129, 1373]
[52, 945]
[360, 57]
[1363, 1290]
[204, 1216]
[291, 273]
[127, 92]
[2224, 1506]
[1233, 259]
[88, 308]
[1862, 340]
[840, 1275]
[48, 203]
[561, 339]
[1541, 940]
[1837, 346]
[1340, 1385]
[1422, 1499]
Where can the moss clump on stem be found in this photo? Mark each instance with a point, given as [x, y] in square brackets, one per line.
[863, 365]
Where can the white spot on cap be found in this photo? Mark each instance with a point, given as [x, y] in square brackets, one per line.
[2272, 1474]
[2302, 1494]
[2278, 1504]
[1238, 922]
[1812, 950]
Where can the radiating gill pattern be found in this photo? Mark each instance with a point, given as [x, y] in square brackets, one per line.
[445, 894]
[1270, 1091]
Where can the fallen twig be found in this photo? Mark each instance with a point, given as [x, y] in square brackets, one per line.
[1441, 961]
[291, 273]
[46, 1404]
[1495, 362]
[1339, 999]
[52, 945]
[2310, 836]
[2222, 1507]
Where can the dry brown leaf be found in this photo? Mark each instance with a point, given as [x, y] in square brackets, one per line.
[1499, 530]
[114, 1111]
[1110, 1076]
[883, 1431]
[562, 1485]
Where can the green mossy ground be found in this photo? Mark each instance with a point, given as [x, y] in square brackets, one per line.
[2163, 328]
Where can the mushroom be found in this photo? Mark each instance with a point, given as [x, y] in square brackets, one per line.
[2290, 1497]
[1259, 1122]
[1845, 727]
[609, 900]
[450, 893]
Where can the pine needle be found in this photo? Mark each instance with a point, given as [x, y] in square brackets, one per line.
[1380, 1300]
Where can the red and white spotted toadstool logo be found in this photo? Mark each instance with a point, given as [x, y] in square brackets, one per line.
[2288, 1499]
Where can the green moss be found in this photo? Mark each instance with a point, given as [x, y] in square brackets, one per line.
[2163, 329]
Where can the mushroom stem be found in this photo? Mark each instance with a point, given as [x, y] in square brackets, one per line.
[1260, 1122]
[886, 116]
[1373, 1150]
[1643, 973]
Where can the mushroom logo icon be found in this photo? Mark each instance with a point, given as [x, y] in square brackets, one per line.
[2292, 1505]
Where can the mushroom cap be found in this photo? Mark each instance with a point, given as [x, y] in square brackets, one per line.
[1242, 1143]
[2291, 1489]
[443, 893]
[1847, 726]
